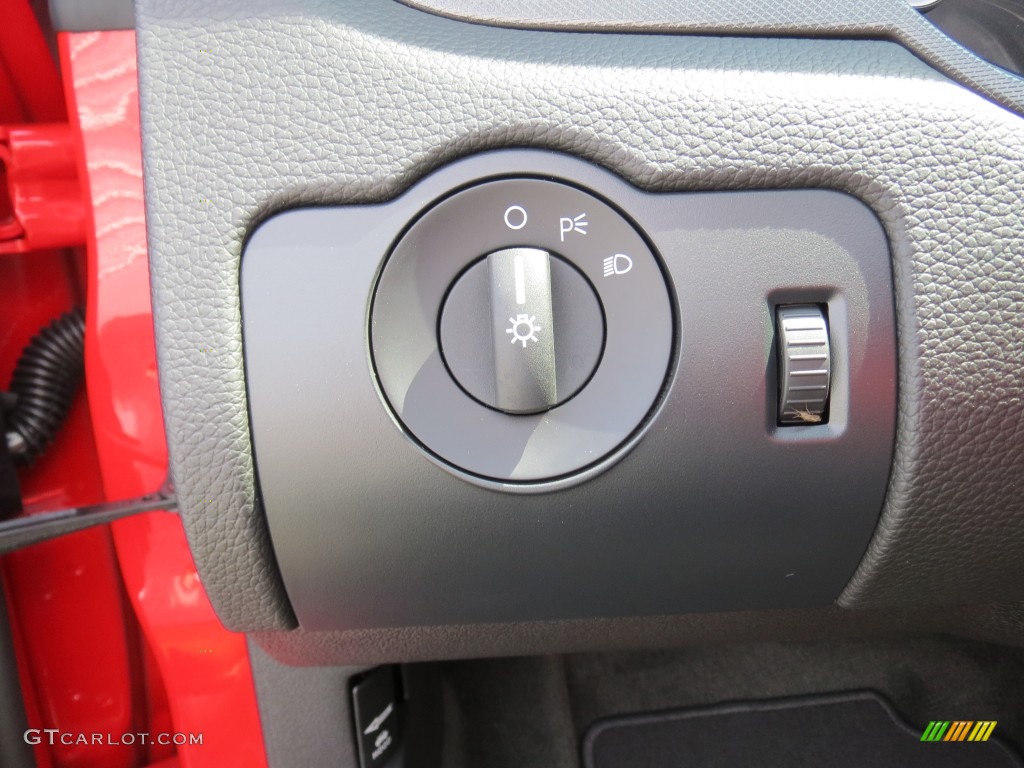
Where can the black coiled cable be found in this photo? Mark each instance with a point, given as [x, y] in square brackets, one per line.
[45, 381]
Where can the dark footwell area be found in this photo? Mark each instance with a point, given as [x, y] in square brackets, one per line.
[841, 730]
[538, 711]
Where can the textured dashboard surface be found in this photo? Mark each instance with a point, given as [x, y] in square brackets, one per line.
[884, 19]
[251, 108]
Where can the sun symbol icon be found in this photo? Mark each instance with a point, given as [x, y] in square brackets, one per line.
[524, 328]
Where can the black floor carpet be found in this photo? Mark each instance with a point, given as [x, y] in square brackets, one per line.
[855, 730]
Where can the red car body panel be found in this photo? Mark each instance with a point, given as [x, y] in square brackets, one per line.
[114, 632]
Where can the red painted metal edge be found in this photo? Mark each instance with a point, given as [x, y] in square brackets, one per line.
[65, 597]
[204, 668]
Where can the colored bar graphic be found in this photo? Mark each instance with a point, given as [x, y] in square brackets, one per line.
[982, 730]
[935, 731]
[958, 730]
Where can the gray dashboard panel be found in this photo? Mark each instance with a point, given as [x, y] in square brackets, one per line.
[882, 19]
[250, 108]
[712, 508]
